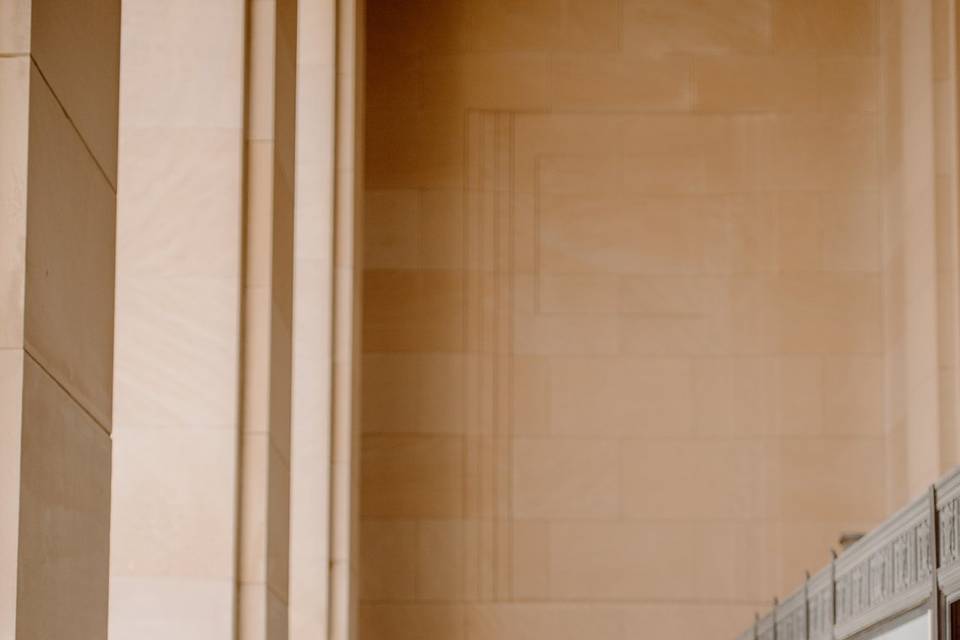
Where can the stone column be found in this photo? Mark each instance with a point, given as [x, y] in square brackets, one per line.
[59, 68]
[221, 243]
[323, 468]
[179, 218]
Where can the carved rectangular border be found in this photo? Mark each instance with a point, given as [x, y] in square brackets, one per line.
[488, 340]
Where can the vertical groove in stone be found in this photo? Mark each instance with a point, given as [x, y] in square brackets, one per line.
[346, 301]
[261, 602]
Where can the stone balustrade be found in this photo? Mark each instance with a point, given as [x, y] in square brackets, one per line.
[909, 562]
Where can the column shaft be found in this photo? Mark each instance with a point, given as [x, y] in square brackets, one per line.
[174, 504]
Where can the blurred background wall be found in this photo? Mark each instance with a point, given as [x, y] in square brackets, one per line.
[659, 300]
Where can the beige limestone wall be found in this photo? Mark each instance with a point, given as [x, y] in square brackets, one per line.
[623, 320]
[59, 67]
